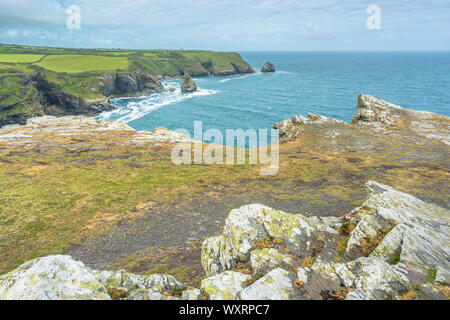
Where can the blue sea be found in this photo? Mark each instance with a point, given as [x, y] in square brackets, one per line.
[326, 83]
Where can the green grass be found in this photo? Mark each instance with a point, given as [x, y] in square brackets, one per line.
[83, 63]
[18, 97]
[20, 58]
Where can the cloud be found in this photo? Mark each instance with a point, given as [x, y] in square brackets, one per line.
[230, 24]
[12, 33]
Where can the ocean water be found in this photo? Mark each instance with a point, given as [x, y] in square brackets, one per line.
[326, 83]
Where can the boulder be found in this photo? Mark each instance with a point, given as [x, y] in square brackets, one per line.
[193, 294]
[130, 282]
[245, 227]
[276, 285]
[224, 286]
[52, 278]
[268, 67]
[188, 85]
[421, 236]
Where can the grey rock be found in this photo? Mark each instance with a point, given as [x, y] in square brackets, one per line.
[268, 67]
[224, 286]
[276, 285]
[52, 278]
[188, 85]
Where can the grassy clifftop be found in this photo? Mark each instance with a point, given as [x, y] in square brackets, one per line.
[34, 78]
[114, 199]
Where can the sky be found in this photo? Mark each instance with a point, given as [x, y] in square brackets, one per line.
[229, 25]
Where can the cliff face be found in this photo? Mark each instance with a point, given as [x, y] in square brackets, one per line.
[50, 99]
[31, 89]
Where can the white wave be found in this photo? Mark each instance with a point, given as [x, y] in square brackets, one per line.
[240, 77]
[137, 109]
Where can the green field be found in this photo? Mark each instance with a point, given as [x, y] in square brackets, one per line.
[20, 58]
[83, 63]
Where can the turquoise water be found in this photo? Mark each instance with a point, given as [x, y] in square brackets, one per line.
[317, 82]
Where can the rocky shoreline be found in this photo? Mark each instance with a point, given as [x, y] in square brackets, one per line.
[49, 99]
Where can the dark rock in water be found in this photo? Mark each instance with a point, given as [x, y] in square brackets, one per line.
[268, 67]
[188, 85]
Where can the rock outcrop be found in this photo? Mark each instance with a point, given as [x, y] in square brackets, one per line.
[62, 278]
[38, 130]
[396, 243]
[268, 67]
[381, 114]
[378, 115]
[402, 253]
[289, 128]
[130, 84]
[188, 85]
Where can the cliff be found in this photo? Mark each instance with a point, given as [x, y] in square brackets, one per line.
[81, 81]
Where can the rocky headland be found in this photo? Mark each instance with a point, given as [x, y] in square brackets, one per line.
[308, 233]
[43, 87]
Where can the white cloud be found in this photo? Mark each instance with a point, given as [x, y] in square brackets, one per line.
[12, 33]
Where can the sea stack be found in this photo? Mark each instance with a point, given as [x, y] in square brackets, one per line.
[188, 85]
[268, 67]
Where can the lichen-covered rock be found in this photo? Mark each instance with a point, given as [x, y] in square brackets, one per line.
[375, 279]
[276, 285]
[244, 227]
[325, 281]
[391, 245]
[429, 292]
[144, 294]
[193, 294]
[130, 282]
[264, 260]
[442, 276]
[370, 227]
[421, 238]
[303, 236]
[52, 278]
[224, 286]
